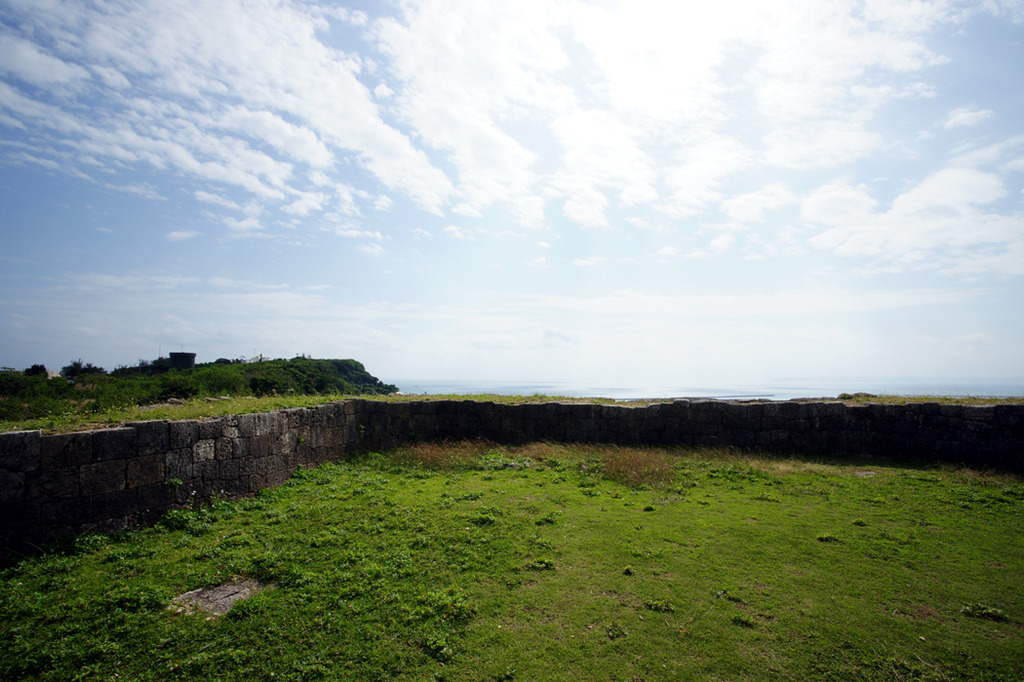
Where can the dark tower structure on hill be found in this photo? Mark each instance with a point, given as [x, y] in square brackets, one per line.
[183, 360]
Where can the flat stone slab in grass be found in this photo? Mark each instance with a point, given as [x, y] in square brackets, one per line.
[216, 600]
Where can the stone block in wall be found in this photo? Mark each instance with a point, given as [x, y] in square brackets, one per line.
[59, 483]
[204, 450]
[334, 414]
[144, 470]
[791, 410]
[246, 425]
[211, 429]
[277, 477]
[950, 410]
[264, 465]
[321, 416]
[260, 446]
[229, 470]
[1010, 415]
[20, 451]
[178, 464]
[294, 417]
[114, 505]
[282, 443]
[223, 448]
[12, 486]
[183, 434]
[155, 497]
[831, 409]
[66, 450]
[239, 448]
[979, 413]
[229, 427]
[152, 437]
[102, 477]
[206, 470]
[884, 413]
[334, 439]
[268, 423]
[976, 431]
[111, 444]
[72, 512]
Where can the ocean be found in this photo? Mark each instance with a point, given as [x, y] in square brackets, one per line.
[780, 390]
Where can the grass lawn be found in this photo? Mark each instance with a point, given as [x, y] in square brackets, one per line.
[549, 562]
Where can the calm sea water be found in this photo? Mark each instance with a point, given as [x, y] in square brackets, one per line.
[781, 390]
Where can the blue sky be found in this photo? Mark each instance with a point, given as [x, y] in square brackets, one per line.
[644, 192]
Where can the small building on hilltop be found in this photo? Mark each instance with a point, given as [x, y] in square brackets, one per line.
[183, 360]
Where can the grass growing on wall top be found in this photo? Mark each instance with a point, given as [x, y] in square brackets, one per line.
[190, 409]
[203, 408]
[471, 561]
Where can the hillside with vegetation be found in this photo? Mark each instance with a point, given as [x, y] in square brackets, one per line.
[82, 388]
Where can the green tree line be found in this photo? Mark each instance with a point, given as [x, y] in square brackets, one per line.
[83, 387]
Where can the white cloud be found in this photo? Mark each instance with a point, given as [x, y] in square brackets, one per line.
[991, 154]
[26, 61]
[965, 116]
[307, 203]
[289, 93]
[601, 153]
[752, 207]
[722, 243]
[244, 226]
[819, 144]
[210, 198]
[456, 232]
[938, 224]
[589, 262]
[296, 142]
[702, 166]
[356, 232]
[181, 235]
[956, 189]
[584, 203]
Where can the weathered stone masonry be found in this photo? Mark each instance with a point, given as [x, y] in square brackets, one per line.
[56, 485]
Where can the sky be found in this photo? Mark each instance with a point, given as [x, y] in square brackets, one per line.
[675, 193]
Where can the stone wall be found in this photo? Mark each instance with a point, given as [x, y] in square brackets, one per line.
[57, 485]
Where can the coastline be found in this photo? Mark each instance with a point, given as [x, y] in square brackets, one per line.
[773, 390]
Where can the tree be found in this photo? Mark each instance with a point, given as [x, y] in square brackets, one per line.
[37, 371]
[76, 368]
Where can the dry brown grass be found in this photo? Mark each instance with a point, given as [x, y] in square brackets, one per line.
[637, 467]
[440, 455]
[648, 466]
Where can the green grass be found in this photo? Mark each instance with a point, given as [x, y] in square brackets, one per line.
[549, 562]
[191, 409]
